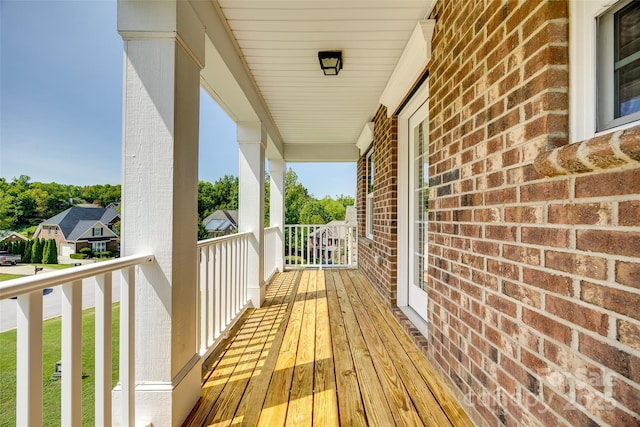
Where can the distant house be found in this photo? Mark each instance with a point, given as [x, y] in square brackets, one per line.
[221, 222]
[330, 242]
[11, 236]
[78, 228]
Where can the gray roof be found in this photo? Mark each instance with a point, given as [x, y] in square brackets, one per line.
[74, 222]
[221, 220]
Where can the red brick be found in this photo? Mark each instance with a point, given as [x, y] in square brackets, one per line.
[543, 236]
[486, 248]
[544, 191]
[616, 300]
[523, 214]
[629, 213]
[628, 395]
[628, 273]
[581, 265]
[503, 269]
[629, 333]
[522, 293]
[558, 284]
[498, 197]
[522, 254]
[624, 243]
[608, 184]
[612, 357]
[501, 304]
[584, 213]
[546, 325]
[580, 315]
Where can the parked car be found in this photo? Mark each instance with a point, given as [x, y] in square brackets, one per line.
[9, 259]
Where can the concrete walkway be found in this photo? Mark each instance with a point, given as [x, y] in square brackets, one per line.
[52, 303]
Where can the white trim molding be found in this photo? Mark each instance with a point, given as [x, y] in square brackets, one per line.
[366, 137]
[412, 62]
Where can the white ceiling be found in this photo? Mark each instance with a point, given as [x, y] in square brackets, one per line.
[279, 42]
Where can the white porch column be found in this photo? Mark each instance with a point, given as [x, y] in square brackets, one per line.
[276, 207]
[252, 139]
[164, 53]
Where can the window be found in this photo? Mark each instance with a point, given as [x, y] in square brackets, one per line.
[98, 247]
[97, 231]
[618, 68]
[370, 187]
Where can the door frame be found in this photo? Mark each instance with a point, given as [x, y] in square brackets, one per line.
[404, 227]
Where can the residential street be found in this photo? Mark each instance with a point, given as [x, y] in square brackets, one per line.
[52, 303]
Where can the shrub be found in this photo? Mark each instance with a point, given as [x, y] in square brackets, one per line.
[78, 256]
[37, 250]
[85, 251]
[104, 254]
[50, 255]
[26, 256]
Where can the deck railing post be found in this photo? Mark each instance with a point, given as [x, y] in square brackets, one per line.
[29, 360]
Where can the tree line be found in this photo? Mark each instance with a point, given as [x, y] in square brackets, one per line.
[25, 204]
[34, 251]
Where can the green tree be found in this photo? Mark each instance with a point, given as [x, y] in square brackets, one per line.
[26, 256]
[37, 250]
[295, 197]
[50, 253]
[313, 212]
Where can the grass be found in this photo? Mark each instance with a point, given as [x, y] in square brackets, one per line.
[51, 354]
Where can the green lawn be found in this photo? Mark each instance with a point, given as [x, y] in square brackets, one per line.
[51, 354]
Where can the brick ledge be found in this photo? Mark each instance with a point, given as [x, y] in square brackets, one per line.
[602, 152]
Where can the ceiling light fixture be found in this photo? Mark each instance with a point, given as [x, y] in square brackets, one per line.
[330, 62]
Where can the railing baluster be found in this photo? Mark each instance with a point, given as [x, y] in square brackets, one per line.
[29, 360]
[203, 314]
[210, 294]
[103, 369]
[127, 344]
[218, 291]
[72, 353]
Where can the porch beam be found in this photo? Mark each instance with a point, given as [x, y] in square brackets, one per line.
[321, 153]
[252, 140]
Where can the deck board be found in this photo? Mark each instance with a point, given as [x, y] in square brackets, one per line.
[324, 351]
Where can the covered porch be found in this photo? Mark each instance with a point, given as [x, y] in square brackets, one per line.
[322, 350]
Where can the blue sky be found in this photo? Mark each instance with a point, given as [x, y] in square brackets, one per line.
[61, 102]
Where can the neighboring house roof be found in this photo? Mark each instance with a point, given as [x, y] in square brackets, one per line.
[221, 220]
[75, 222]
[11, 235]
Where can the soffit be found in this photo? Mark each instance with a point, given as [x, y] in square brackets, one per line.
[279, 42]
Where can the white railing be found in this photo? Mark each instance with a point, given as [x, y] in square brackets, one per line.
[270, 256]
[320, 246]
[29, 294]
[222, 281]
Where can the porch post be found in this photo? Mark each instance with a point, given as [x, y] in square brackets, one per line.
[276, 207]
[164, 53]
[252, 139]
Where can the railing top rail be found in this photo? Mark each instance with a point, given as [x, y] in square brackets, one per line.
[202, 243]
[23, 285]
[272, 228]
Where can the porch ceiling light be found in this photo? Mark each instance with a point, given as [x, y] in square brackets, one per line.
[330, 62]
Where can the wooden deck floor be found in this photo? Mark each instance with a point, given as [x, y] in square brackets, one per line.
[323, 351]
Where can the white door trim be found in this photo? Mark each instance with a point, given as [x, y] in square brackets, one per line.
[404, 228]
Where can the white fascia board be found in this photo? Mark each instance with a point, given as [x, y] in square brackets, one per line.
[219, 35]
[366, 138]
[321, 153]
[413, 60]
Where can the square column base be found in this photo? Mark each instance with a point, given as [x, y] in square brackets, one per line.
[257, 295]
[163, 404]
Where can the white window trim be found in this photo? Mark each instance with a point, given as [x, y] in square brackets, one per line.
[369, 203]
[582, 68]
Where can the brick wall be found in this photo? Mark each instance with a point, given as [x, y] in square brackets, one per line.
[534, 284]
[378, 257]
